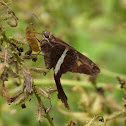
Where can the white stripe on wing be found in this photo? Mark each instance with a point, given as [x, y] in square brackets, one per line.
[60, 61]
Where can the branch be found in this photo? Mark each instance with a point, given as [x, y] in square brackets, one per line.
[41, 103]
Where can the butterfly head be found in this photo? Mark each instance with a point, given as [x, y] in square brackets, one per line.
[46, 34]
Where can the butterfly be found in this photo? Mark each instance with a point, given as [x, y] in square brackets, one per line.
[64, 58]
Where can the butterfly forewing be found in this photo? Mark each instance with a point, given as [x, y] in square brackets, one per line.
[83, 64]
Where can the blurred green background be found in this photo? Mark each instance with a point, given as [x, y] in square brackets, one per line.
[96, 28]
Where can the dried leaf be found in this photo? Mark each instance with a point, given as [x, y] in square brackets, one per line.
[28, 82]
[6, 95]
[31, 38]
[72, 123]
[11, 73]
[39, 70]
[39, 113]
[51, 90]
[8, 15]
[42, 92]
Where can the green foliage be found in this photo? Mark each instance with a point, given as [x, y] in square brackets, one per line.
[94, 27]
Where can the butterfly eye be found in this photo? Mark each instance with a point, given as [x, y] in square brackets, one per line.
[46, 34]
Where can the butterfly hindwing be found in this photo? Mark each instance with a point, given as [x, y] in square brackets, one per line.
[85, 65]
[67, 62]
[62, 59]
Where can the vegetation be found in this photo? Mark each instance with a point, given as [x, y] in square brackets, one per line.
[28, 94]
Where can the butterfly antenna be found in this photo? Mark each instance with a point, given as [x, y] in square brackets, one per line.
[33, 14]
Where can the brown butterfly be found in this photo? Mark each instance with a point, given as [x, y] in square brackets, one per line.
[64, 58]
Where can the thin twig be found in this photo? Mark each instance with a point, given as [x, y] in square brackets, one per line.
[40, 102]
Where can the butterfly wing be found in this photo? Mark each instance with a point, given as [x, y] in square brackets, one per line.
[83, 63]
[72, 61]
[62, 59]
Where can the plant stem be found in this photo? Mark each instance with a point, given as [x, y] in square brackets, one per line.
[40, 102]
[66, 82]
[116, 115]
[112, 74]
